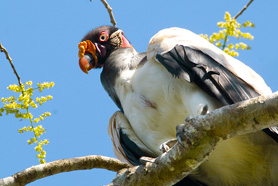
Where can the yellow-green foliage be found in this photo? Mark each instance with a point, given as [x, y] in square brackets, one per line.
[230, 28]
[20, 108]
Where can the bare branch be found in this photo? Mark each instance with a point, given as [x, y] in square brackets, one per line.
[203, 134]
[11, 62]
[244, 8]
[109, 9]
[65, 165]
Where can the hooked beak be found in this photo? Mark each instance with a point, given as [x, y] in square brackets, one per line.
[86, 63]
[87, 56]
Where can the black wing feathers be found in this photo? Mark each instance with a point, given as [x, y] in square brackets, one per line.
[195, 66]
[132, 151]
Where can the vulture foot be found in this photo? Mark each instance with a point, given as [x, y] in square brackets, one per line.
[165, 147]
[144, 160]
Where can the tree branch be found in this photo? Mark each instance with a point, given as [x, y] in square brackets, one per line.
[109, 9]
[244, 8]
[65, 165]
[203, 133]
[3, 49]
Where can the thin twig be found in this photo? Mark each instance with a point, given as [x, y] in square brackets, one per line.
[235, 17]
[244, 8]
[225, 40]
[109, 9]
[3, 49]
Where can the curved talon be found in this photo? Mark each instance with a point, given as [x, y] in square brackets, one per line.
[180, 141]
[188, 119]
[164, 147]
[204, 110]
[180, 131]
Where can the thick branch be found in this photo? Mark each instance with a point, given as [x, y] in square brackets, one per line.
[203, 133]
[65, 165]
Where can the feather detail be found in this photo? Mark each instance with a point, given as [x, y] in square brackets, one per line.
[167, 39]
[118, 124]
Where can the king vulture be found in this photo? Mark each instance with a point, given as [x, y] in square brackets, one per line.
[180, 75]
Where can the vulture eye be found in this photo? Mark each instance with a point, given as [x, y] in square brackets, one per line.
[103, 37]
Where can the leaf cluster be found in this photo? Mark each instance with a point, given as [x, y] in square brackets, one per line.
[230, 28]
[20, 108]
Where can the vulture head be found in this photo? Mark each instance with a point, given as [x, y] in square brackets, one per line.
[98, 44]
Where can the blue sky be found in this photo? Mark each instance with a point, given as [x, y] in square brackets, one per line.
[42, 39]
